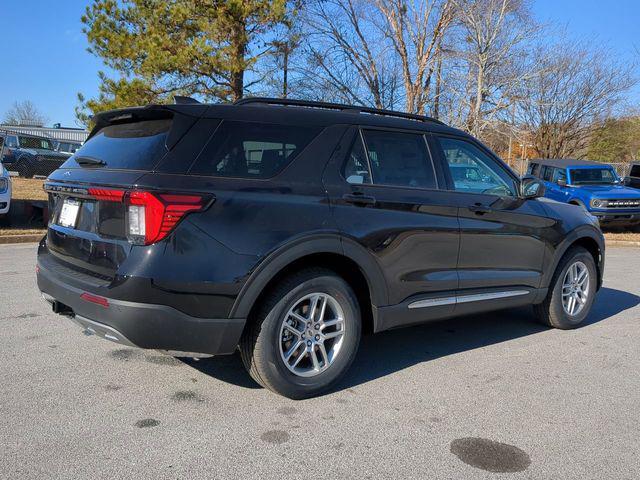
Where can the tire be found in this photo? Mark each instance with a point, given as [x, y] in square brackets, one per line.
[263, 347]
[24, 168]
[551, 311]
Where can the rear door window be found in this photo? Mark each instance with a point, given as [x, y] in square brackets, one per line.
[399, 159]
[126, 146]
[356, 168]
[559, 174]
[251, 149]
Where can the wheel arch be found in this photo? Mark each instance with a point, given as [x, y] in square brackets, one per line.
[578, 202]
[344, 256]
[588, 238]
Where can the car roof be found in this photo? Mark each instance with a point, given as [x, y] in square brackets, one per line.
[294, 112]
[567, 162]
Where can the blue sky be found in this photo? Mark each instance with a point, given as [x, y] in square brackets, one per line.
[45, 58]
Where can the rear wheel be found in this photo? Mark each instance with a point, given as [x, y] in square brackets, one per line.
[305, 335]
[572, 291]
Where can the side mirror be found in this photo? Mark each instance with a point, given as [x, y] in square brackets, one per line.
[531, 187]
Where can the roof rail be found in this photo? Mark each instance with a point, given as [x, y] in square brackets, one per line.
[334, 106]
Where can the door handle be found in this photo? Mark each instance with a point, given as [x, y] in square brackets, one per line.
[359, 199]
[480, 209]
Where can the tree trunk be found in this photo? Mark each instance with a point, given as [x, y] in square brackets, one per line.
[285, 71]
[239, 43]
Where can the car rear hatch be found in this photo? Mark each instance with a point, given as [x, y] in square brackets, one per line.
[98, 208]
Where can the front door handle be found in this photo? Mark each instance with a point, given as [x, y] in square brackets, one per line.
[359, 199]
[480, 209]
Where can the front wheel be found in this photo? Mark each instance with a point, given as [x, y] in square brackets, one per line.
[572, 291]
[305, 335]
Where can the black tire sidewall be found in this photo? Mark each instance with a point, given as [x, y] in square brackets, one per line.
[566, 320]
[276, 372]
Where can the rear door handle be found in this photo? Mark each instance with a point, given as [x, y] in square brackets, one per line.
[480, 209]
[359, 199]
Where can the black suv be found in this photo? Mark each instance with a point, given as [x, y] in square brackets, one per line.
[286, 228]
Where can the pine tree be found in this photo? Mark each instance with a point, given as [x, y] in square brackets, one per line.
[165, 47]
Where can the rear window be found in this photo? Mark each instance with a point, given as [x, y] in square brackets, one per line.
[252, 150]
[128, 146]
[635, 171]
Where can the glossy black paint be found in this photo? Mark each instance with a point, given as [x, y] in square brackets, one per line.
[408, 243]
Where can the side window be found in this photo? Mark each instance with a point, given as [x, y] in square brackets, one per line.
[547, 173]
[356, 168]
[559, 174]
[12, 141]
[635, 171]
[251, 149]
[399, 159]
[533, 169]
[474, 171]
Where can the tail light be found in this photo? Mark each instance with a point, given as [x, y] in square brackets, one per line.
[150, 217]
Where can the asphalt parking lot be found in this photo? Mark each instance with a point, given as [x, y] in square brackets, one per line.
[424, 402]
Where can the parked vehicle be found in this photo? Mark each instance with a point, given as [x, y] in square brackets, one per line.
[68, 147]
[594, 186]
[5, 193]
[633, 180]
[30, 155]
[287, 228]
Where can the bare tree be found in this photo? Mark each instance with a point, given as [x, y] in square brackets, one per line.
[416, 29]
[575, 85]
[346, 59]
[490, 57]
[24, 113]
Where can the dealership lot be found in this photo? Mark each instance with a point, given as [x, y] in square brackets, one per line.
[421, 402]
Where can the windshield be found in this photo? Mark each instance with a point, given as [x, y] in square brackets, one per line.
[584, 176]
[35, 142]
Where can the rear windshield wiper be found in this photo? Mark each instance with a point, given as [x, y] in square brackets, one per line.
[90, 162]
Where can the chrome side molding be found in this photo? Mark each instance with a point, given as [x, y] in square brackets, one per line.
[476, 297]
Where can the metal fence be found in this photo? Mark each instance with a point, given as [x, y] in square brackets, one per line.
[520, 167]
[61, 134]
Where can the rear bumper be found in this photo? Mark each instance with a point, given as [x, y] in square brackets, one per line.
[141, 324]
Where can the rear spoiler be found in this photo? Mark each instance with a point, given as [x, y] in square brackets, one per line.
[184, 115]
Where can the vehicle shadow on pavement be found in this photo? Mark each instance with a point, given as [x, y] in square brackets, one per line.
[388, 352]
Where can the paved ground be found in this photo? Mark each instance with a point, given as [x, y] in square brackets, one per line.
[418, 403]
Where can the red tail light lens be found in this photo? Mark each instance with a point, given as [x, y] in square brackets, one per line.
[152, 216]
[107, 194]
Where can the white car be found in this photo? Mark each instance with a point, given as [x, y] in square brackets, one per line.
[5, 192]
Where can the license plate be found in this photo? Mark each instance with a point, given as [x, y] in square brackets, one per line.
[69, 213]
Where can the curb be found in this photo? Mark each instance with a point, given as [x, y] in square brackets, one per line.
[9, 239]
[621, 243]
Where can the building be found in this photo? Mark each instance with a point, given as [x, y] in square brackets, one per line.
[58, 133]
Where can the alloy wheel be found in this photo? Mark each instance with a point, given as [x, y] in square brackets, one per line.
[575, 288]
[311, 334]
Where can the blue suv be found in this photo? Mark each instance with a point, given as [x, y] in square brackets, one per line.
[592, 185]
